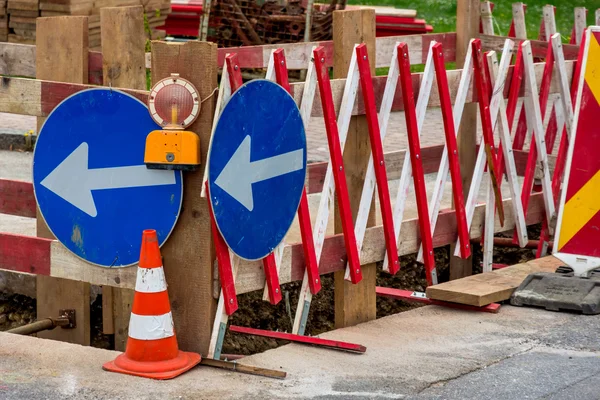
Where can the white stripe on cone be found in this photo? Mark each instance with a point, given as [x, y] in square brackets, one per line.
[151, 327]
[150, 280]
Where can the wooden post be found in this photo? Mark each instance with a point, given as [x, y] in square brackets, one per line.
[188, 254]
[123, 66]
[354, 303]
[467, 27]
[62, 55]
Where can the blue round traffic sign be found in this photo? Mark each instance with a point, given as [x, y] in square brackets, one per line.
[256, 168]
[90, 181]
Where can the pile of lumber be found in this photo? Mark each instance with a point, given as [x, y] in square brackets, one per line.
[3, 21]
[21, 20]
[17, 17]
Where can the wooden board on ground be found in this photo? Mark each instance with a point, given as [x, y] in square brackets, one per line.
[490, 287]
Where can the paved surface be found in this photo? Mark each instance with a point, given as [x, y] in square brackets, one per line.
[426, 353]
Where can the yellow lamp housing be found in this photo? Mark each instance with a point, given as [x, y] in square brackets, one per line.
[173, 104]
[174, 150]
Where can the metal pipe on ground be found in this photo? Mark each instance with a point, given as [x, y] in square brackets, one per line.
[41, 325]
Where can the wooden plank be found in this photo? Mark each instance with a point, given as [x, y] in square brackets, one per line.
[25, 254]
[123, 65]
[123, 47]
[16, 198]
[518, 12]
[67, 62]
[19, 59]
[188, 254]
[467, 27]
[64, 264]
[354, 303]
[108, 318]
[490, 287]
[44, 95]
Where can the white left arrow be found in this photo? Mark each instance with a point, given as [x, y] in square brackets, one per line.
[73, 181]
[239, 173]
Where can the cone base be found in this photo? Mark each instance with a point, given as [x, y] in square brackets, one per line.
[170, 368]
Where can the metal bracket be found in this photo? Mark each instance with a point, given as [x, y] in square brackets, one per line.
[70, 315]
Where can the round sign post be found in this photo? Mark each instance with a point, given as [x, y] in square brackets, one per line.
[257, 168]
[90, 182]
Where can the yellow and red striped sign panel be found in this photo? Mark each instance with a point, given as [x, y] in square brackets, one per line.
[578, 229]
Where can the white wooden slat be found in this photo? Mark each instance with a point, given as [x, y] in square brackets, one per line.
[534, 121]
[580, 23]
[405, 178]
[518, 12]
[597, 16]
[308, 96]
[222, 97]
[500, 75]
[221, 317]
[370, 181]
[565, 93]
[444, 168]
[327, 195]
[549, 21]
[487, 21]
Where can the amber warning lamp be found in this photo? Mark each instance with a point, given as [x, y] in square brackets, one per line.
[174, 104]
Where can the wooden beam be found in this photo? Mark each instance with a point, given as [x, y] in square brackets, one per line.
[188, 254]
[354, 303]
[62, 55]
[538, 47]
[490, 287]
[64, 264]
[19, 59]
[123, 65]
[43, 95]
[467, 28]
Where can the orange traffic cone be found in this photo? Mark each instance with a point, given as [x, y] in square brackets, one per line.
[152, 349]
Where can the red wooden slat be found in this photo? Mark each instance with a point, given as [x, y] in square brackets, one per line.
[486, 122]
[16, 198]
[417, 297]
[331, 344]
[337, 161]
[417, 165]
[378, 158]
[223, 263]
[450, 132]
[25, 254]
[308, 244]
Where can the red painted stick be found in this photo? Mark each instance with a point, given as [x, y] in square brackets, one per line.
[308, 244]
[223, 263]
[450, 131]
[414, 145]
[378, 158]
[486, 119]
[337, 161]
[420, 297]
[331, 344]
[269, 263]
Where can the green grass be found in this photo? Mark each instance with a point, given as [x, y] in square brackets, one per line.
[441, 14]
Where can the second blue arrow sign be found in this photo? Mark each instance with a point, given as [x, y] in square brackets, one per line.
[257, 168]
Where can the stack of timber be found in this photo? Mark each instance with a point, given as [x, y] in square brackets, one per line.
[3, 21]
[21, 16]
[18, 17]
